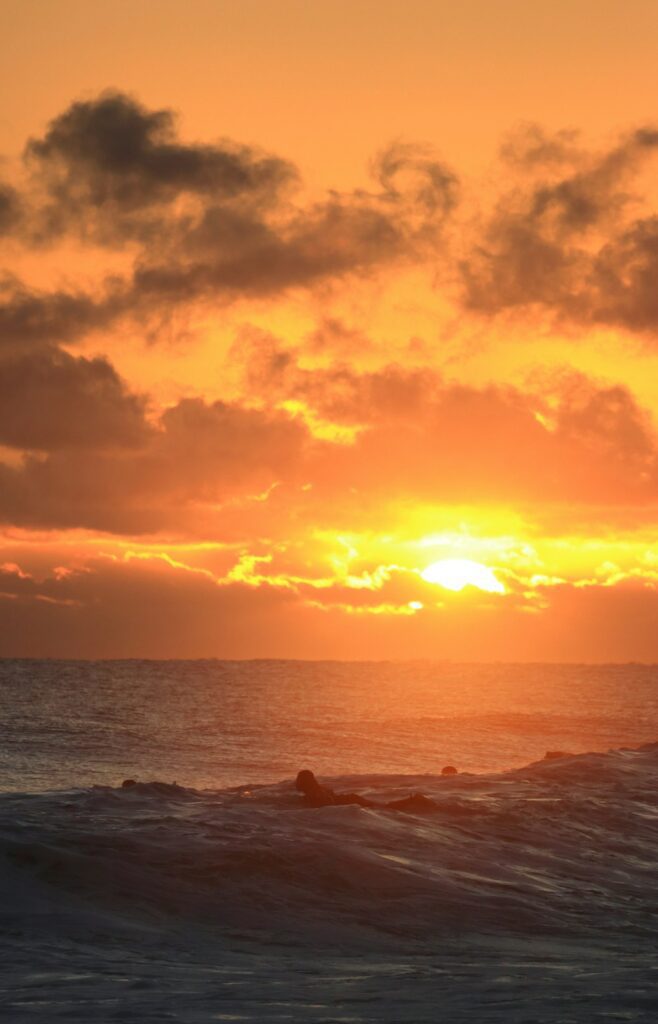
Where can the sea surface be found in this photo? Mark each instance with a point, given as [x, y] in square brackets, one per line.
[207, 892]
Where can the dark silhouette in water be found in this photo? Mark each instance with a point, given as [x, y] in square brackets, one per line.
[321, 796]
[316, 795]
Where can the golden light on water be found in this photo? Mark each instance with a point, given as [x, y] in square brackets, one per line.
[457, 573]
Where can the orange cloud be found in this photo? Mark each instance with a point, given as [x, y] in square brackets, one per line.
[329, 437]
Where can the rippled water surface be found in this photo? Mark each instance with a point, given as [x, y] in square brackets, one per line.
[214, 723]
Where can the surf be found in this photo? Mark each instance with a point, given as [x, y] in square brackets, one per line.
[565, 846]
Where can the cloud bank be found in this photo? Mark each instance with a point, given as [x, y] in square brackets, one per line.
[319, 457]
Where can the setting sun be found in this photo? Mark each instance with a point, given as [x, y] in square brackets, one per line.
[457, 573]
[353, 383]
[328, 488]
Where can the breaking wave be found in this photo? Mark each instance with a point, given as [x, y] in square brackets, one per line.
[564, 847]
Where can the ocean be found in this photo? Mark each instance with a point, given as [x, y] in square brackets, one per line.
[207, 891]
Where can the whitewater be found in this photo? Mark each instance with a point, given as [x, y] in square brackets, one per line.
[208, 892]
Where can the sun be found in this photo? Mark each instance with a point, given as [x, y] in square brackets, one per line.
[457, 573]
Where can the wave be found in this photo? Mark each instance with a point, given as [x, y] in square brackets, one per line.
[563, 847]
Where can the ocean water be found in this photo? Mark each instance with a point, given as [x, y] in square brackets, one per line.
[208, 892]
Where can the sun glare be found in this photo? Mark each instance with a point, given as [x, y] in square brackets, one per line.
[457, 573]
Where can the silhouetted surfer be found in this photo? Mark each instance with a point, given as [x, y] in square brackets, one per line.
[321, 796]
[316, 795]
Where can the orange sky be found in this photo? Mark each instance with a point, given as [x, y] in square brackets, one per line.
[301, 299]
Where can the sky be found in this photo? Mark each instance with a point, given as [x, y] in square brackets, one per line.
[329, 330]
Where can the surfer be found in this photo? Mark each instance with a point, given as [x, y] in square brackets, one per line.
[316, 795]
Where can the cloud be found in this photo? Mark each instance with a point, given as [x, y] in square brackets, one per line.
[318, 436]
[621, 289]
[29, 317]
[604, 418]
[336, 392]
[566, 241]
[228, 253]
[108, 167]
[10, 209]
[565, 437]
[229, 443]
[214, 223]
[365, 442]
[153, 607]
[207, 223]
[411, 173]
[489, 446]
[530, 147]
[115, 608]
[50, 400]
[197, 453]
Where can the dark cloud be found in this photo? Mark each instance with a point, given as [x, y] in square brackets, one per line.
[83, 489]
[30, 318]
[198, 454]
[530, 147]
[227, 258]
[567, 243]
[213, 223]
[108, 164]
[207, 446]
[416, 438]
[621, 286]
[50, 400]
[411, 173]
[10, 209]
[148, 607]
[228, 253]
[207, 223]
[115, 608]
[123, 152]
